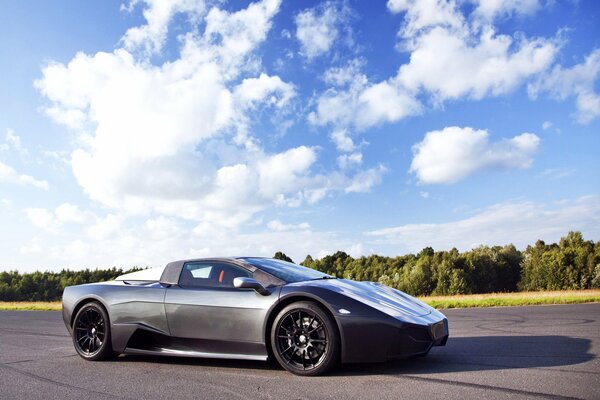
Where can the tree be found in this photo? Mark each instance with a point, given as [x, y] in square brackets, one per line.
[281, 256]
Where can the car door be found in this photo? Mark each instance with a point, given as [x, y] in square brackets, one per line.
[218, 318]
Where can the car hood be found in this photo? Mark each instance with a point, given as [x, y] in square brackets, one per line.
[383, 298]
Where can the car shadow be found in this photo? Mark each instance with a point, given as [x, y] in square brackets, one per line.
[480, 353]
[461, 354]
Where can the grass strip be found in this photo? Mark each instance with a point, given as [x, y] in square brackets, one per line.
[457, 301]
[30, 306]
[514, 299]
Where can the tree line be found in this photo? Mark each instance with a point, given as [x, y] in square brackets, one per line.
[48, 286]
[573, 263]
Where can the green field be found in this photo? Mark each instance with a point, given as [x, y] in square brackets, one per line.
[441, 302]
[514, 299]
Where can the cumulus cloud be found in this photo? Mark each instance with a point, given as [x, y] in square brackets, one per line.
[450, 65]
[175, 138]
[422, 14]
[12, 142]
[9, 175]
[363, 105]
[278, 226]
[264, 89]
[520, 223]
[318, 28]
[454, 153]
[578, 81]
[488, 10]
[151, 36]
[364, 181]
[451, 56]
[52, 221]
[154, 241]
[350, 160]
[342, 141]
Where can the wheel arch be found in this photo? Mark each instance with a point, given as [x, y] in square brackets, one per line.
[293, 298]
[86, 300]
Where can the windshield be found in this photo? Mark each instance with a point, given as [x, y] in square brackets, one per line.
[286, 271]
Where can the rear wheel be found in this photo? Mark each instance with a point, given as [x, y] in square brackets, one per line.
[304, 339]
[91, 332]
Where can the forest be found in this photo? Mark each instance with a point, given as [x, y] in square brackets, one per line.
[572, 263]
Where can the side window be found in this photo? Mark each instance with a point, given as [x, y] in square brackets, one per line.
[206, 274]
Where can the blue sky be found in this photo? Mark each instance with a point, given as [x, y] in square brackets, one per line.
[137, 133]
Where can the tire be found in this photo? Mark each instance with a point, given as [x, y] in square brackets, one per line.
[305, 339]
[91, 333]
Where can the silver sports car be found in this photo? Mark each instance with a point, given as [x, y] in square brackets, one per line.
[250, 308]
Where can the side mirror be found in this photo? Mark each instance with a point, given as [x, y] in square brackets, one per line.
[250, 283]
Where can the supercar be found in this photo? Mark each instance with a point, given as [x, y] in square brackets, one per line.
[249, 308]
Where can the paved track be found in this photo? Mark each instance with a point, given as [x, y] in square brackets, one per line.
[495, 353]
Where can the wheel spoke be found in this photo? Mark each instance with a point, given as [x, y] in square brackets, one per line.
[288, 349]
[314, 329]
[301, 339]
[299, 322]
[89, 331]
[286, 329]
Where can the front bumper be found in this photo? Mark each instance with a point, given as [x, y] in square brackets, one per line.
[368, 339]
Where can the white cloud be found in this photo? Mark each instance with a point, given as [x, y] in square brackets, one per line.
[52, 221]
[158, 240]
[42, 218]
[318, 28]
[278, 174]
[233, 36]
[451, 56]
[9, 175]
[452, 65]
[546, 125]
[278, 226]
[342, 141]
[578, 81]
[365, 180]
[34, 246]
[158, 13]
[350, 160]
[423, 14]
[12, 142]
[557, 173]
[344, 75]
[264, 89]
[520, 223]
[363, 105]
[488, 10]
[105, 227]
[175, 138]
[454, 153]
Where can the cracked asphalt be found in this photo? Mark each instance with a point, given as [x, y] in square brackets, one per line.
[492, 353]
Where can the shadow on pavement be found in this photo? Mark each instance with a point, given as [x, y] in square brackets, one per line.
[480, 353]
[462, 354]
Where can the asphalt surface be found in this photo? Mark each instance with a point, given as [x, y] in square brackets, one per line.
[494, 353]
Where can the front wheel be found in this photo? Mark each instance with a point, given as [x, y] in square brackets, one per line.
[91, 332]
[304, 339]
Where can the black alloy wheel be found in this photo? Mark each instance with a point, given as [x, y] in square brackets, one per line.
[304, 339]
[91, 332]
